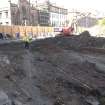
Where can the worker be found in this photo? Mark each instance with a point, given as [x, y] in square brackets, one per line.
[27, 41]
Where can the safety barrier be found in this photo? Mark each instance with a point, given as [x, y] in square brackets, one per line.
[21, 31]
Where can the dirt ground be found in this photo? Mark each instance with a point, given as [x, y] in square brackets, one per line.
[54, 71]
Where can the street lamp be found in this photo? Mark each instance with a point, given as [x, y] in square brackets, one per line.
[29, 12]
[10, 11]
[36, 3]
[86, 19]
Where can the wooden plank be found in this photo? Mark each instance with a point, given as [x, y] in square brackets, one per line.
[15, 29]
[1, 29]
[22, 31]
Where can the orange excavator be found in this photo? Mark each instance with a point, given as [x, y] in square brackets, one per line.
[67, 31]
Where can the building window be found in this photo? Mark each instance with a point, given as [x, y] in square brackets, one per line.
[6, 14]
[0, 15]
[0, 23]
[7, 23]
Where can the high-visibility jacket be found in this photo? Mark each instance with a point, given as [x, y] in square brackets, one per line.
[27, 39]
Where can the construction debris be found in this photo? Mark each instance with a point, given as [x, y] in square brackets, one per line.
[4, 99]
[54, 71]
[92, 101]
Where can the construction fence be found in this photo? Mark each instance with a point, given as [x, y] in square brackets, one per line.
[35, 31]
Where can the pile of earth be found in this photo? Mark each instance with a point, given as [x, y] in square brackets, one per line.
[74, 41]
[48, 74]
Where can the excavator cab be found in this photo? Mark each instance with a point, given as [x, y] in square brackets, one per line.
[67, 31]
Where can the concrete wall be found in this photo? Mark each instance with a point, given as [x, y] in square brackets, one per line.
[3, 19]
[87, 22]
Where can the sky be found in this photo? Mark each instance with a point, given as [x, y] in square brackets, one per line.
[78, 4]
[83, 4]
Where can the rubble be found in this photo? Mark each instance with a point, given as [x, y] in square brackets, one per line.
[4, 99]
[54, 71]
[75, 41]
[92, 101]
